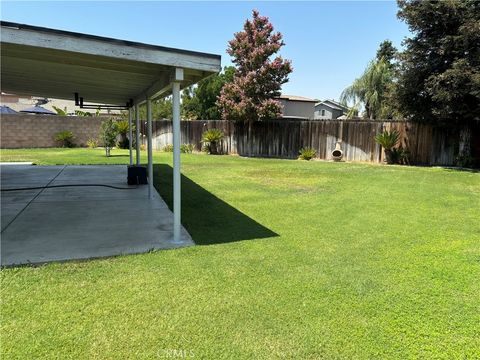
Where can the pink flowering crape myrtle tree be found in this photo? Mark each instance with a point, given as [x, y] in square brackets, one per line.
[258, 79]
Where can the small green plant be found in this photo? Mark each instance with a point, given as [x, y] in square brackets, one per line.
[184, 148]
[168, 148]
[92, 143]
[123, 129]
[187, 148]
[108, 134]
[388, 140]
[59, 111]
[205, 148]
[82, 113]
[464, 161]
[65, 138]
[211, 139]
[307, 153]
[400, 155]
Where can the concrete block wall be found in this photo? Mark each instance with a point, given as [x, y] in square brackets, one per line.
[38, 131]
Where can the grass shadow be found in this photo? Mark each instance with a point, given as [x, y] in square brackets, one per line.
[208, 219]
[459, 169]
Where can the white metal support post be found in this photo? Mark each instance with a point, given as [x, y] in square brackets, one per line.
[149, 140]
[177, 207]
[130, 136]
[137, 133]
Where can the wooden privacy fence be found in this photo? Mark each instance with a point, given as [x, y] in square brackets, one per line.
[283, 139]
[426, 144]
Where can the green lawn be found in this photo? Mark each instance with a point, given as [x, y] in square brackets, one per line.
[299, 260]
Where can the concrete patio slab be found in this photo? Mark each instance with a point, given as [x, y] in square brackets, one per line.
[58, 224]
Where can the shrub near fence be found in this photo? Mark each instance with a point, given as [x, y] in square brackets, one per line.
[284, 138]
[38, 131]
[280, 138]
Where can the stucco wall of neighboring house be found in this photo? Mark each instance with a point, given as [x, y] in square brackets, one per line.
[38, 131]
[329, 112]
[294, 108]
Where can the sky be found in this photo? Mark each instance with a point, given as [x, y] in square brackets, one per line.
[329, 42]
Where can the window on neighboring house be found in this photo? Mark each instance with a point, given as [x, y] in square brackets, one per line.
[323, 112]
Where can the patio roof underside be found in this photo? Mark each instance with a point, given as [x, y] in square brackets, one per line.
[57, 64]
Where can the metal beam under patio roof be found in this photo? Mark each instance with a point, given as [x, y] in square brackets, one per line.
[57, 64]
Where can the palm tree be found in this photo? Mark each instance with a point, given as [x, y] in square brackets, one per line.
[388, 140]
[370, 90]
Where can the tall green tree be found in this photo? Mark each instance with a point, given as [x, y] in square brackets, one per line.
[199, 102]
[259, 73]
[108, 134]
[161, 109]
[209, 90]
[439, 76]
[387, 52]
[371, 91]
[189, 108]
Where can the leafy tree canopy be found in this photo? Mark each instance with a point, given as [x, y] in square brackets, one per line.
[161, 109]
[387, 52]
[439, 77]
[200, 102]
[258, 78]
[372, 91]
[108, 134]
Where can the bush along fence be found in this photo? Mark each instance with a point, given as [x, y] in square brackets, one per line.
[424, 144]
[41, 131]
